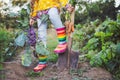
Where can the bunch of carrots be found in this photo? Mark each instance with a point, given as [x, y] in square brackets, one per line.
[69, 27]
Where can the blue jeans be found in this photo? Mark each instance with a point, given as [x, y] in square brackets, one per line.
[42, 27]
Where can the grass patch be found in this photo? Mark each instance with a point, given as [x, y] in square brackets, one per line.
[51, 44]
[1, 66]
[34, 74]
[52, 58]
[2, 72]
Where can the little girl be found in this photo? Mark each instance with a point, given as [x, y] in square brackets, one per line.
[51, 8]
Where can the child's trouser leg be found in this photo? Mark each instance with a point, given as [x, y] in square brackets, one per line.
[42, 32]
[42, 27]
[60, 29]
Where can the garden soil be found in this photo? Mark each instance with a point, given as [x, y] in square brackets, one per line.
[13, 70]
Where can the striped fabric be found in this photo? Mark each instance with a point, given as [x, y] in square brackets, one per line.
[61, 34]
[42, 59]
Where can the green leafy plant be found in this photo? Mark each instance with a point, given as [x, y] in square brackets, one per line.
[34, 74]
[99, 42]
[23, 20]
[26, 57]
[6, 45]
[20, 40]
[40, 49]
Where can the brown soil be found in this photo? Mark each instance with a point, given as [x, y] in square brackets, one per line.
[15, 71]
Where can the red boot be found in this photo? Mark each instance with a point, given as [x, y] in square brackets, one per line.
[61, 48]
[40, 67]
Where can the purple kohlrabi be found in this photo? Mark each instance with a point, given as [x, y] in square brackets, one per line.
[31, 36]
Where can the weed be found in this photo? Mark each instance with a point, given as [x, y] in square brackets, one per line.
[34, 74]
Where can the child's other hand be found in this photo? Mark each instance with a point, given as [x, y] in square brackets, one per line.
[31, 22]
[70, 8]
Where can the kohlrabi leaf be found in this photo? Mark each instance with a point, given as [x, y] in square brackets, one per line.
[20, 40]
[40, 49]
[26, 58]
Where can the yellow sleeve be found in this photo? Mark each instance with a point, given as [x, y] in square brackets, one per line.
[33, 10]
[63, 2]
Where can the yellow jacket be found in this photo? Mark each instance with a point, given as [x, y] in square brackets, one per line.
[46, 4]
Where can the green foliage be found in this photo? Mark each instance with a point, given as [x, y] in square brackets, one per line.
[93, 42]
[40, 49]
[2, 76]
[118, 49]
[8, 16]
[73, 2]
[99, 42]
[18, 2]
[34, 74]
[26, 57]
[8, 19]
[52, 57]
[44, 18]
[83, 33]
[4, 37]
[10, 40]
[6, 44]
[23, 20]
[87, 10]
[20, 40]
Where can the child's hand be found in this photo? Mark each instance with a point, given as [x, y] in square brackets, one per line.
[31, 22]
[70, 8]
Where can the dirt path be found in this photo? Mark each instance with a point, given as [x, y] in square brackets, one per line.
[15, 71]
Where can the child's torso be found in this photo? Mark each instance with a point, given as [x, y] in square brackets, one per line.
[45, 4]
[41, 5]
